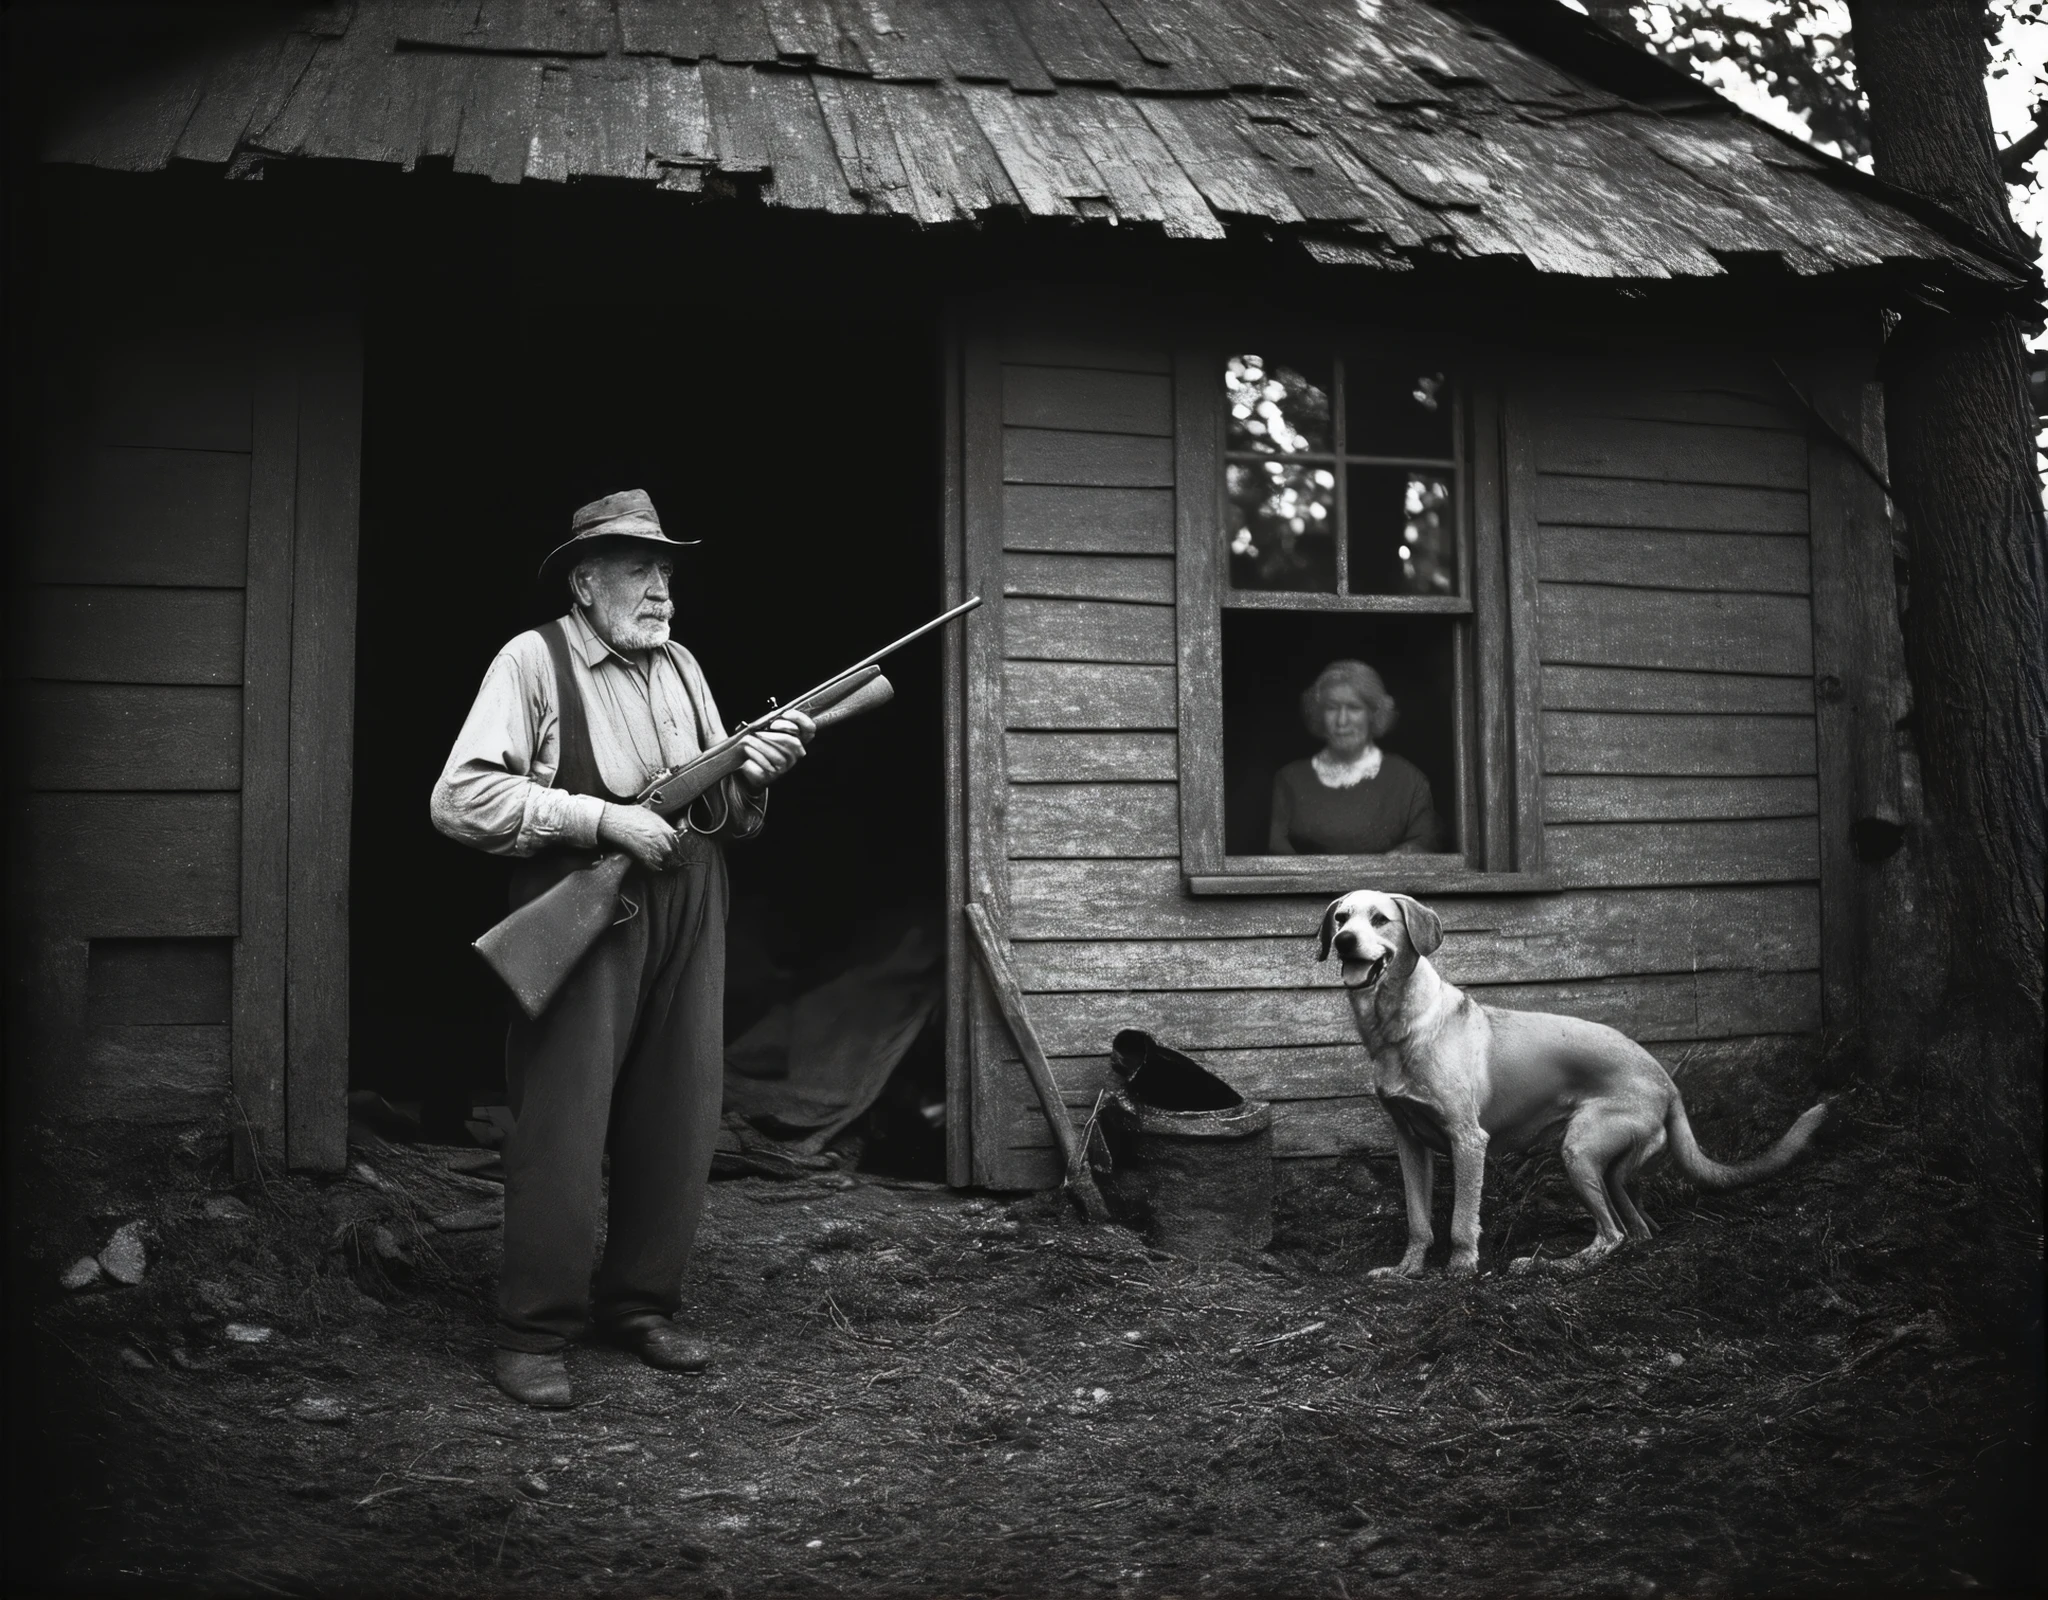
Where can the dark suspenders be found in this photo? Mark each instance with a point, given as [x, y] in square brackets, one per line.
[576, 771]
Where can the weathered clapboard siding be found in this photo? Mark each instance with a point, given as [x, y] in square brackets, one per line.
[148, 516]
[1075, 519]
[133, 865]
[1676, 633]
[1571, 798]
[1087, 630]
[1631, 503]
[1654, 743]
[151, 1074]
[1767, 928]
[1761, 850]
[131, 717]
[1678, 787]
[1061, 694]
[1600, 626]
[1567, 688]
[129, 634]
[1093, 460]
[1092, 757]
[1126, 820]
[1684, 1005]
[1146, 580]
[132, 736]
[1087, 401]
[1091, 899]
[1632, 559]
[1570, 444]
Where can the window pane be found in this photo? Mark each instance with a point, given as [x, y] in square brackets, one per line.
[1403, 536]
[1392, 409]
[1277, 405]
[1281, 526]
[1270, 660]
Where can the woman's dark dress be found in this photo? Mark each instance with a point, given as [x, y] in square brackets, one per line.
[1367, 819]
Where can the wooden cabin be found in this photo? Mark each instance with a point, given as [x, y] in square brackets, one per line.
[1208, 341]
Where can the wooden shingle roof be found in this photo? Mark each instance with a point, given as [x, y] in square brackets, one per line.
[1375, 131]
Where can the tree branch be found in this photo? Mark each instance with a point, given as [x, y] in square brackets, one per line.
[2013, 159]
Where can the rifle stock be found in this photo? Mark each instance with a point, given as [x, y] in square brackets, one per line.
[536, 948]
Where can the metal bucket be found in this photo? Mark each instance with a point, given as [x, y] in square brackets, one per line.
[1189, 1159]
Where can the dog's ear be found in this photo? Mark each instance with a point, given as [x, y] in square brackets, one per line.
[1329, 929]
[1425, 927]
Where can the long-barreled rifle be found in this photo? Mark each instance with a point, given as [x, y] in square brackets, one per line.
[536, 948]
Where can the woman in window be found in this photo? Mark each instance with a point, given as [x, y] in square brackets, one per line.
[1351, 798]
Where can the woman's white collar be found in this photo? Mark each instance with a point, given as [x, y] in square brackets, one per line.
[1346, 774]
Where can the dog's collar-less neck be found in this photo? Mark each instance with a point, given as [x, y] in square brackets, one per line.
[1418, 997]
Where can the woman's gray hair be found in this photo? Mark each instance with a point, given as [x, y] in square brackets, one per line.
[1381, 712]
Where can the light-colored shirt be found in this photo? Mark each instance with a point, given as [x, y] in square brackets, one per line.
[645, 716]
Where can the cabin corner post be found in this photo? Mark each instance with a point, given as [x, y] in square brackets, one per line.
[959, 1046]
[1861, 699]
[985, 778]
[322, 740]
[257, 1042]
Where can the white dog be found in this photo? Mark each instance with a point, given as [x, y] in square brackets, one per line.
[1457, 1077]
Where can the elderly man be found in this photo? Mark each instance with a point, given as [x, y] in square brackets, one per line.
[574, 719]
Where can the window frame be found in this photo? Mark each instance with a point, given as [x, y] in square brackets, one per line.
[1497, 672]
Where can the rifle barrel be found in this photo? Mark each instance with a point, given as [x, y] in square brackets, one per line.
[939, 621]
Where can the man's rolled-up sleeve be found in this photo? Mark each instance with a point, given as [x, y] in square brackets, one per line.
[494, 794]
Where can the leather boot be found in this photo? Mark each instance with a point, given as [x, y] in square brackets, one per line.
[663, 1345]
[534, 1380]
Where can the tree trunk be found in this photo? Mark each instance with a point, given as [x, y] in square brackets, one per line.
[1960, 432]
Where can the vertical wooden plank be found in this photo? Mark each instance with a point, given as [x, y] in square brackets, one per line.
[1860, 695]
[257, 1051]
[1198, 564]
[1490, 626]
[1525, 671]
[987, 779]
[322, 742]
[953, 658]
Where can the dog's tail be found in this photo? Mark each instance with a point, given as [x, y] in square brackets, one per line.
[1708, 1173]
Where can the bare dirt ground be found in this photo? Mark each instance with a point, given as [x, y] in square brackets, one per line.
[1822, 1384]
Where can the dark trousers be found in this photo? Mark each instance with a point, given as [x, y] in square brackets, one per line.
[630, 1057]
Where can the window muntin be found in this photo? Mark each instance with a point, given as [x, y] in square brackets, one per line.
[1342, 477]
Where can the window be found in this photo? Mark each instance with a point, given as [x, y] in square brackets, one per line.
[1349, 705]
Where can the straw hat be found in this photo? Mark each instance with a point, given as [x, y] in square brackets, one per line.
[603, 525]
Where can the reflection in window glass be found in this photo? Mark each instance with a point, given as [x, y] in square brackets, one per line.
[1403, 535]
[1392, 410]
[1277, 407]
[1281, 526]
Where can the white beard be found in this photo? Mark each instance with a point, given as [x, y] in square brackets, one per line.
[631, 633]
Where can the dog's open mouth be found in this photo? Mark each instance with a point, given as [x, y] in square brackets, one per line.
[1364, 974]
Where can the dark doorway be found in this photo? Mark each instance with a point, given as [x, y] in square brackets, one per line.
[804, 451]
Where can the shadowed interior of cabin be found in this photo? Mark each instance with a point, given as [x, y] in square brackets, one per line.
[804, 452]
[1271, 657]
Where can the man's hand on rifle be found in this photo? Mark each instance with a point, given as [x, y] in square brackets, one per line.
[642, 835]
[773, 750]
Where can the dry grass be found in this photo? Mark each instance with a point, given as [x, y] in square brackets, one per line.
[1814, 1385]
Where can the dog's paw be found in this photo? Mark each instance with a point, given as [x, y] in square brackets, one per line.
[1401, 1271]
[1462, 1266]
